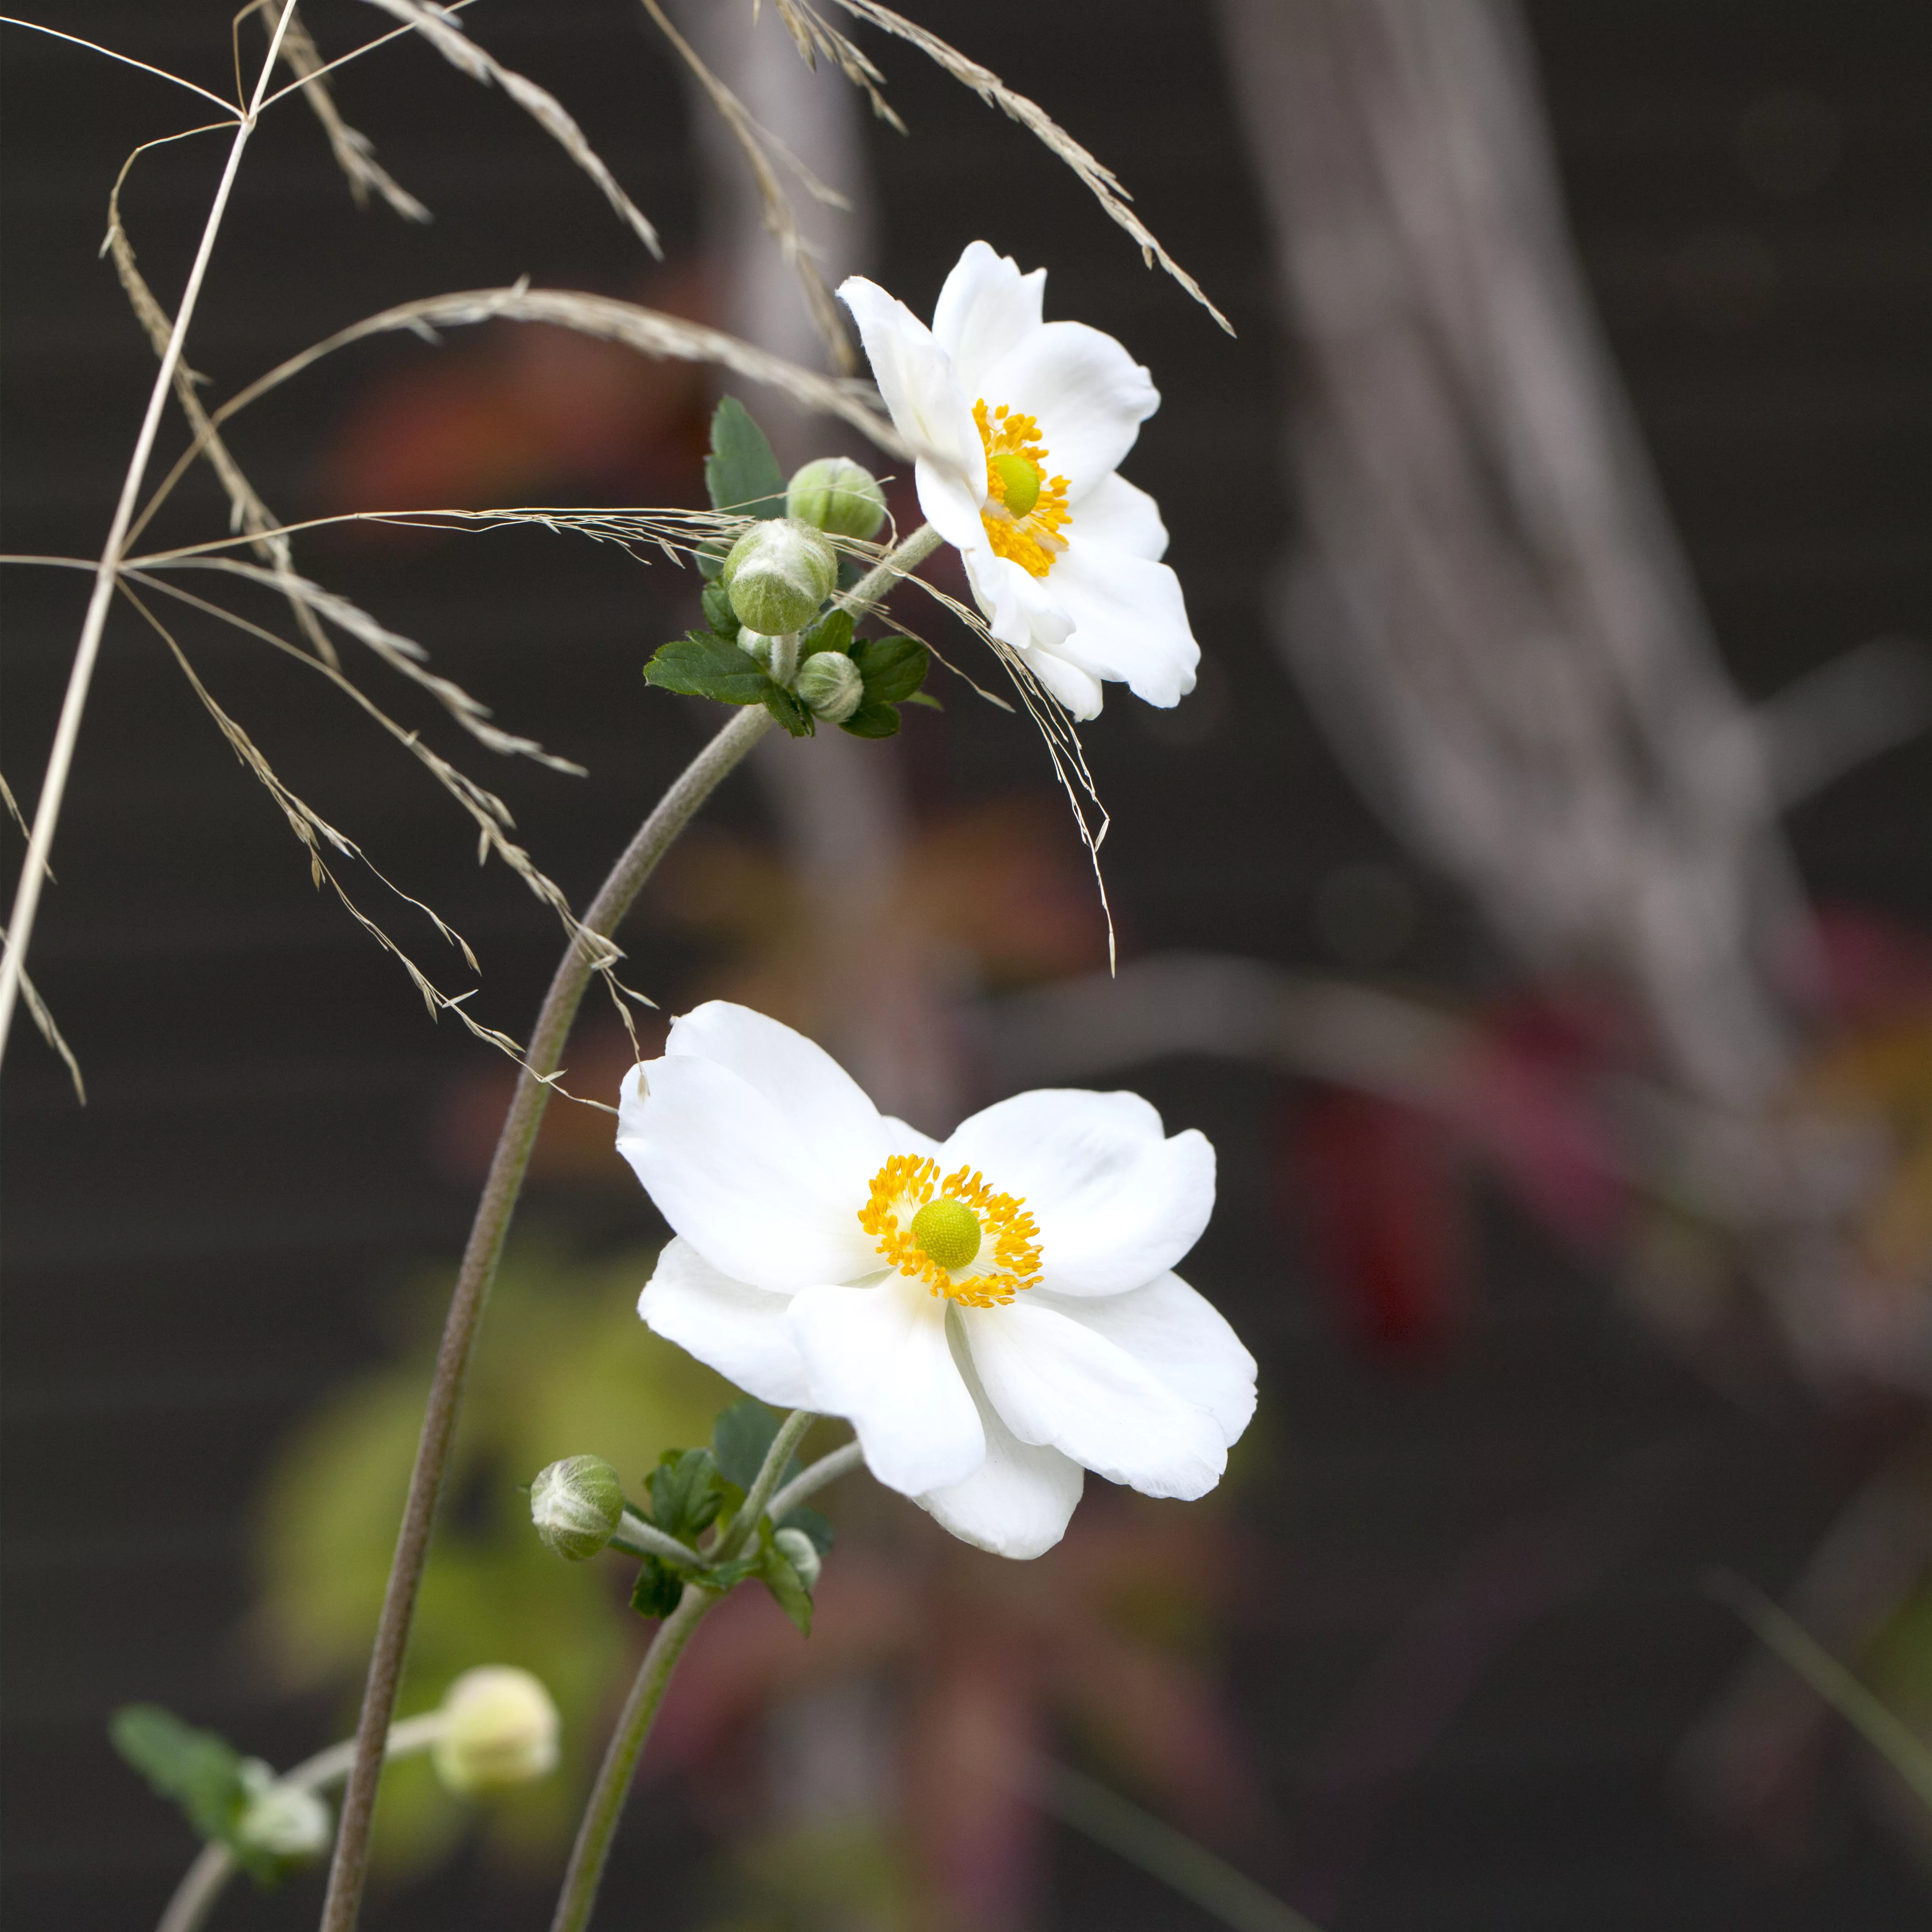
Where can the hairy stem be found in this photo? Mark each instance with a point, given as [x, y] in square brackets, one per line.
[791, 1433]
[592, 1850]
[80, 678]
[878, 581]
[813, 1478]
[195, 1897]
[673, 811]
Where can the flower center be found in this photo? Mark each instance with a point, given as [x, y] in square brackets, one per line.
[1026, 509]
[959, 1237]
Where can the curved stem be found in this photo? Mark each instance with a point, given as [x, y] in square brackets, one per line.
[80, 677]
[589, 1856]
[791, 1433]
[810, 1480]
[202, 1884]
[673, 811]
[878, 581]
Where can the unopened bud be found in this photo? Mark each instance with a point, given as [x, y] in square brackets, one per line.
[576, 1505]
[290, 1825]
[801, 1553]
[500, 1729]
[756, 646]
[777, 574]
[837, 495]
[829, 683]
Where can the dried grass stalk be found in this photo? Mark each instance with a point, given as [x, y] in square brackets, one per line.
[761, 145]
[43, 1020]
[354, 153]
[649, 331]
[1101, 180]
[813, 36]
[445, 33]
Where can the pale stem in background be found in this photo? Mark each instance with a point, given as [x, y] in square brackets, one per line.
[349, 1870]
[195, 1895]
[60, 758]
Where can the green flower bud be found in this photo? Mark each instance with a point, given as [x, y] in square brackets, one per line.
[829, 683]
[801, 1553]
[777, 574]
[576, 1505]
[290, 1825]
[756, 645]
[500, 1729]
[836, 494]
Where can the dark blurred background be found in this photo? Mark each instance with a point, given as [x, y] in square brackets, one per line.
[1450, 1631]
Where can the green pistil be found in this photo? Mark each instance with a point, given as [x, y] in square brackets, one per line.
[949, 1232]
[1021, 480]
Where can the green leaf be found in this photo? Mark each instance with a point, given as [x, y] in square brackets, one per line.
[873, 721]
[200, 1770]
[807, 1519]
[893, 667]
[925, 698]
[729, 1576]
[657, 1589]
[832, 632]
[685, 1495]
[718, 613]
[741, 1438]
[741, 472]
[787, 710]
[787, 1586]
[702, 665]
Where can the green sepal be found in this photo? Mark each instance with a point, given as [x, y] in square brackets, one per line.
[718, 611]
[873, 721]
[787, 710]
[832, 632]
[702, 664]
[686, 1493]
[787, 1586]
[741, 472]
[657, 1589]
[807, 1519]
[893, 668]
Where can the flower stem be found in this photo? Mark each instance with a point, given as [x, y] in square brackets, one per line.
[811, 1480]
[589, 1856]
[202, 1884]
[791, 1433]
[673, 812]
[349, 1870]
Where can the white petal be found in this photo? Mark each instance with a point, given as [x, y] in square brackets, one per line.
[915, 378]
[1089, 396]
[986, 308]
[732, 1175]
[1116, 513]
[827, 1107]
[1180, 1338]
[740, 1331]
[1078, 691]
[1117, 1203]
[1017, 1503]
[1055, 1382]
[907, 1139]
[1130, 621]
[879, 1356]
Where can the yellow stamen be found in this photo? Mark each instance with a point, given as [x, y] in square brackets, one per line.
[1003, 1257]
[1026, 509]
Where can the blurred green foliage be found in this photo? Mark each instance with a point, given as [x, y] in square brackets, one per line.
[564, 1367]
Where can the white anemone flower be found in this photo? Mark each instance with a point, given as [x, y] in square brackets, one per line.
[1020, 426]
[994, 1315]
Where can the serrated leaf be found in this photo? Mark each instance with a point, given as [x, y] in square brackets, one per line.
[807, 1519]
[893, 667]
[729, 1576]
[703, 665]
[741, 472]
[199, 1770]
[873, 721]
[787, 1586]
[832, 632]
[787, 710]
[741, 1438]
[685, 1495]
[718, 613]
[657, 1589]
